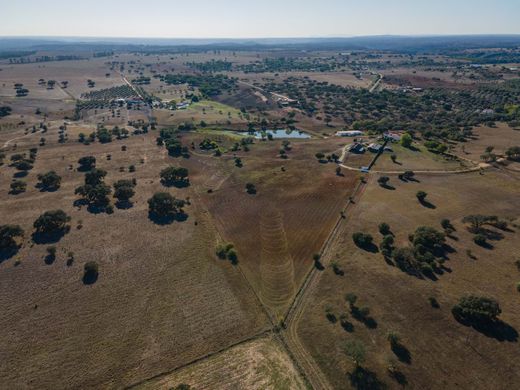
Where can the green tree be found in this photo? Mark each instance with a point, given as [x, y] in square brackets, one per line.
[355, 351]
[17, 187]
[477, 308]
[51, 222]
[87, 163]
[49, 181]
[8, 236]
[406, 140]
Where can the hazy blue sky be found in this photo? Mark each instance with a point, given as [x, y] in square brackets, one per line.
[266, 18]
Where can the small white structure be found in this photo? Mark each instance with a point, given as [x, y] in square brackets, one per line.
[183, 105]
[374, 147]
[392, 136]
[349, 133]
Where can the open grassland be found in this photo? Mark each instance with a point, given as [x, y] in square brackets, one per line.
[210, 112]
[417, 158]
[500, 138]
[436, 351]
[161, 299]
[255, 365]
[286, 221]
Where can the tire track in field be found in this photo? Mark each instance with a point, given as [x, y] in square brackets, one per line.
[294, 315]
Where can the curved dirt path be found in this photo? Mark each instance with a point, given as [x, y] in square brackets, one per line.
[294, 315]
[6, 143]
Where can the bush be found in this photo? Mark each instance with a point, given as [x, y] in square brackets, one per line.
[476, 309]
[384, 228]
[480, 240]
[227, 251]
[355, 350]
[91, 272]
[421, 195]
[250, 188]
[17, 187]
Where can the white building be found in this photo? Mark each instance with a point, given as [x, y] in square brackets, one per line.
[349, 133]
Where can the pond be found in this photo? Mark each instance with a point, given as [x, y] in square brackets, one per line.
[281, 133]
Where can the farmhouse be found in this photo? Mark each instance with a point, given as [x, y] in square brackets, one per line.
[349, 133]
[356, 148]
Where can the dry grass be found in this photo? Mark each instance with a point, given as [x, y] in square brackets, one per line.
[399, 302]
[161, 300]
[255, 365]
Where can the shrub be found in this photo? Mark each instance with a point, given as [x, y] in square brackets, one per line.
[355, 350]
[17, 187]
[480, 240]
[421, 195]
[383, 181]
[433, 302]
[384, 228]
[250, 188]
[91, 272]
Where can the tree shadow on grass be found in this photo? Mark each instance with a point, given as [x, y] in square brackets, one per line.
[427, 204]
[498, 329]
[402, 353]
[7, 253]
[21, 174]
[399, 377]
[124, 205]
[372, 248]
[364, 379]
[49, 238]
[49, 259]
[167, 219]
[176, 183]
[387, 187]
[90, 278]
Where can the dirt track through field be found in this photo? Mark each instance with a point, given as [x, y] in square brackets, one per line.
[305, 361]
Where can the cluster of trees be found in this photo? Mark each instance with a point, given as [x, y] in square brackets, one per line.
[49, 181]
[124, 191]
[437, 113]
[209, 85]
[477, 309]
[227, 251]
[168, 138]
[9, 234]
[94, 191]
[513, 153]
[20, 90]
[291, 65]
[211, 66]
[164, 206]
[177, 176]
[423, 256]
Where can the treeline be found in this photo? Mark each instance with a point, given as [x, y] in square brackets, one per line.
[208, 85]
[444, 113]
[211, 66]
